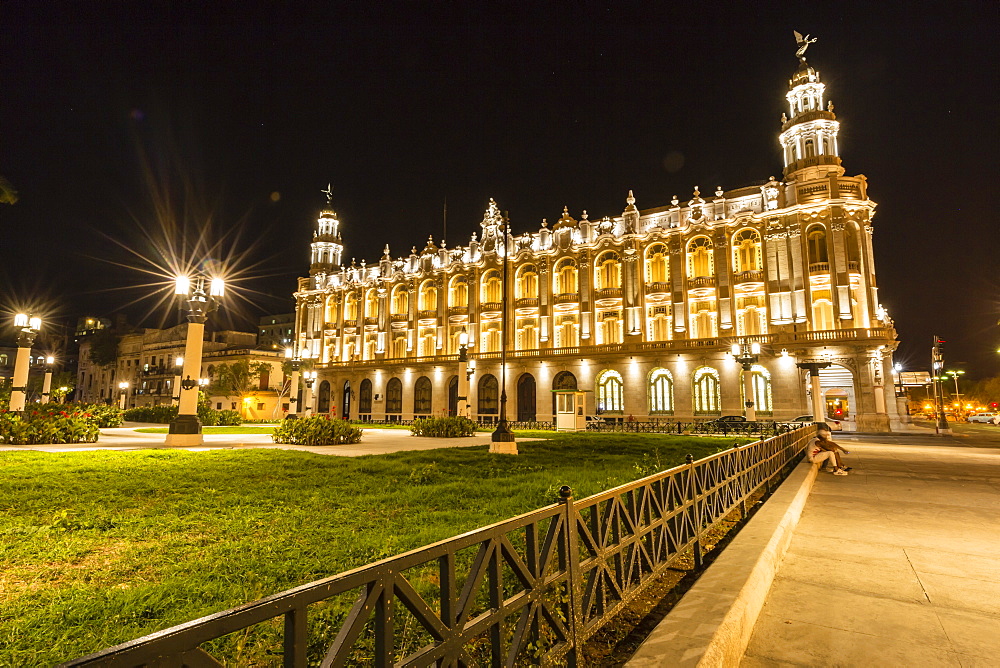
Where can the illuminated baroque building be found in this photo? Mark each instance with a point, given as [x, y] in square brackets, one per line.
[639, 309]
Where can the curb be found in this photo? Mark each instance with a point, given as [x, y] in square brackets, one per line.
[713, 622]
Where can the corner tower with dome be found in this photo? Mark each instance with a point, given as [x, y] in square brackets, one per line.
[641, 309]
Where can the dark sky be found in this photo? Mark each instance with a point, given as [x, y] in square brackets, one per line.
[116, 117]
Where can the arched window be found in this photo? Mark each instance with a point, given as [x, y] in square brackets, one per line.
[428, 296]
[746, 251]
[323, 398]
[565, 276]
[488, 395]
[422, 396]
[661, 392]
[400, 300]
[611, 327]
[657, 264]
[492, 287]
[699, 258]
[658, 322]
[351, 306]
[750, 320]
[567, 330]
[394, 396]
[365, 397]
[527, 282]
[610, 392]
[707, 395]
[458, 292]
[489, 337]
[527, 334]
[427, 341]
[816, 237]
[608, 271]
[761, 381]
[822, 314]
[398, 344]
[330, 312]
[371, 303]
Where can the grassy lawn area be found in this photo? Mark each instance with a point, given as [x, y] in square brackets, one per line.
[244, 429]
[101, 547]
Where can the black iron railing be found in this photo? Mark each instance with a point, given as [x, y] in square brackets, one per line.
[531, 424]
[762, 429]
[531, 589]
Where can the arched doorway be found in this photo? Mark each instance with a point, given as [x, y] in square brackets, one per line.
[526, 398]
[453, 396]
[837, 384]
[488, 395]
[564, 380]
[394, 398]
[323, 400]
[422, 392]
[365, 398]
[346, 412]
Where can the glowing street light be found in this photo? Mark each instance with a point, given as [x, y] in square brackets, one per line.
[295, 362]
[123, 389]
[29, 326]
[467, 367]
[47, 383]
[191, 291]
[747, 357]
[308, 377]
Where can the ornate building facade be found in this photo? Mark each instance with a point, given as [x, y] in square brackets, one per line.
[639, 309]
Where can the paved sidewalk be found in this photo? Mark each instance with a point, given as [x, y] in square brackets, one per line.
[373, 442]
[897, 564]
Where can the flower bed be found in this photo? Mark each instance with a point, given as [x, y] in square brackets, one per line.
[48, 425]
[317, 430]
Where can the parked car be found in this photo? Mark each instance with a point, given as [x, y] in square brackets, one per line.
[834, 424]
[729, 422]
[984, 418]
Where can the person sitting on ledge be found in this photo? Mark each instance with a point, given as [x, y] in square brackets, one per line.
[825, 451]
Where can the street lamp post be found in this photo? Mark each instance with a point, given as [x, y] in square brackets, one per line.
[123, 389]
[295, 362]
[178, 369]
[308, 377]
[466, 368]
[47, 383]
[502, 440]
[29, 326]
[747, 357]
[958, 397]
[201, 295]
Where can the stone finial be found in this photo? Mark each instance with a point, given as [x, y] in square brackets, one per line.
[545, 223]
[719, 191]
[674, 201]
[697, 193]
[630, 199]
[585, 216]
[385, 253]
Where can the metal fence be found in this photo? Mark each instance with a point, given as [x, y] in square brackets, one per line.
[762, 429]
[531, 589]
[482, 424]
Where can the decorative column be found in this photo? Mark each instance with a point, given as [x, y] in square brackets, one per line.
[818, 411]
[29, 326]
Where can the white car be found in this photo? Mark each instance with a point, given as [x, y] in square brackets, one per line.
[834, 424]
[984, 418]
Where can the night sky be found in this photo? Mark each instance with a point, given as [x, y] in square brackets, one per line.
[120, 128]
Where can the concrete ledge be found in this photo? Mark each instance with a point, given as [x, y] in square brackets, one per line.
[713, 622]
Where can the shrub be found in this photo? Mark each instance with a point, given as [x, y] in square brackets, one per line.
[35, 427]
[155, 414]
[229, 418]
[443, 427]
[106, 416]
[317, 430]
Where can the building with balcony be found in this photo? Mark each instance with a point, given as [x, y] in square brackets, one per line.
[639, 309]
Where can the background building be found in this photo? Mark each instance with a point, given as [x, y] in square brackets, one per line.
[640, 309]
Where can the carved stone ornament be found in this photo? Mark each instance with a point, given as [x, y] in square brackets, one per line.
[837, 226]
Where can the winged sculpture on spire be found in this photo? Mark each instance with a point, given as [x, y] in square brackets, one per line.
[329, 194]
[803, 43]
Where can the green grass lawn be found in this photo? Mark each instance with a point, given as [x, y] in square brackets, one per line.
[244, 429]
[101, 547]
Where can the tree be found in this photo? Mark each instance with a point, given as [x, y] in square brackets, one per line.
[8, 195]
[103, 347]
[238, 379]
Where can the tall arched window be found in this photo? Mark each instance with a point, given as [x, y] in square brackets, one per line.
[365, 397]
[371, 303]
[611, 328]
[746, 251]
[608, 271]
[422, 396]
[527, 282]
[657, 264]
[707, 394]
[488, 395]
[699, 258]
[761, 381]
[394, 396]
[492, 287]
[565, 276]
[658, 321]
[661, 392]
[427, 341]
[400, 300]
[750, 320]
[567, 330]
[816, 237]
[398, 344]
[458, 292]
[330, 312]
[428, 296]
[351, 306]
[489, 337]
[610, 392]
[822, 313]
